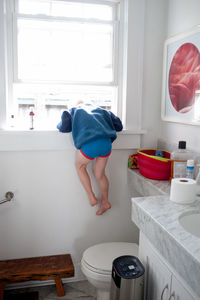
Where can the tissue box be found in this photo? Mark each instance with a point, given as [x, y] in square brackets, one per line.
[154, 167]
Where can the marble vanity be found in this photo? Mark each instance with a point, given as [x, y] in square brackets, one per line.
[158, 220]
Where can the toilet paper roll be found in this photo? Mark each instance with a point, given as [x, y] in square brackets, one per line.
[183, 190]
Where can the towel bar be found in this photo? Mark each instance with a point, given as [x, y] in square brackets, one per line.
[8, 197]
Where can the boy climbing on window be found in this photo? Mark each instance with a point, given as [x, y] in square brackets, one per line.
[93, 131]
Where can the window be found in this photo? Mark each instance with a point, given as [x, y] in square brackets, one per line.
[62, 51]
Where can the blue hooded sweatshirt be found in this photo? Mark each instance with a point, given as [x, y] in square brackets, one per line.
[89, 123]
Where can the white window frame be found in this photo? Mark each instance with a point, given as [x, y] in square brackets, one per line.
[129, 101]
[10, 10]
[126, 65]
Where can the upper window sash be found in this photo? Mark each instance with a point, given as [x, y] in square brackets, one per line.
[113, 23]
[64, 19]
[111, 3]
[102, 10]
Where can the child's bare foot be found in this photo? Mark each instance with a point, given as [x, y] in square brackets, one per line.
[104, 206]
[93, 201]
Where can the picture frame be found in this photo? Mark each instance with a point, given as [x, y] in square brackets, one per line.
[181, 78]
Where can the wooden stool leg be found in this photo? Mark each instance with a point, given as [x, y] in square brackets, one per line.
[2, 286]
[59, 287]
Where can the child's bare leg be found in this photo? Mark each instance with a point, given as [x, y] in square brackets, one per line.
[81, 167]
[103, 182]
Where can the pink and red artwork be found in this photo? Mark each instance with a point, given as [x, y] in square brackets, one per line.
[184, 77]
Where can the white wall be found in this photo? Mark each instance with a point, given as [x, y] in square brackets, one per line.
[155, 34]
[182, 15]
[50, 213]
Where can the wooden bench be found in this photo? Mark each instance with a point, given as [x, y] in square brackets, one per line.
[53, 267]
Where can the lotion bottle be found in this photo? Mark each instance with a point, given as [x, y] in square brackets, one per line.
[190, 169]
[179, 160]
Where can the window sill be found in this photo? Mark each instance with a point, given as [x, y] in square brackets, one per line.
[43, 140]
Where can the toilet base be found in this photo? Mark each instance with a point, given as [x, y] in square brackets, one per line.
[96, 264]
[103, 295]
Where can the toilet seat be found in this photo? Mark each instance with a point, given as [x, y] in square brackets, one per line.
[98, 259]
[95, 272]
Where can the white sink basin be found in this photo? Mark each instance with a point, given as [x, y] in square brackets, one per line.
[191, 222]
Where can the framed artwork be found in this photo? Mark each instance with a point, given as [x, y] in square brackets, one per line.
[181, 78]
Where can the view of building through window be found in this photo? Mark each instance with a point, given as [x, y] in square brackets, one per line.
[48, 107]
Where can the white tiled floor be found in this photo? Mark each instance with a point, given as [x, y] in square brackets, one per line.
[73, 291]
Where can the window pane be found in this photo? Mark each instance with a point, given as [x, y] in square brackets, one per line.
[67, 51]
[66, 9]
[34, 7]
[48, 102]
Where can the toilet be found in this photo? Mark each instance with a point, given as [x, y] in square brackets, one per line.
[96, 264]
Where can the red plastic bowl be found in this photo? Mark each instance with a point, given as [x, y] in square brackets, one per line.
[154, 167]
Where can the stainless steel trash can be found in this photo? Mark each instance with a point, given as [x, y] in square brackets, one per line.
[127, 282]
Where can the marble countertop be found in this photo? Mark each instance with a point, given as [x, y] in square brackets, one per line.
[145, 186]
[157, 217]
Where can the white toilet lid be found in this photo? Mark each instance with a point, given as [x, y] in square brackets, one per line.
[101, 256]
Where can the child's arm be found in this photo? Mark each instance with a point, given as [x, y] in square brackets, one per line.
[65, 124]
[116, 122]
